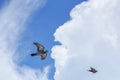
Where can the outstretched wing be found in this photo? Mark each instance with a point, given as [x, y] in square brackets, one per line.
[92, 68]
[43, 56]
[39, 46]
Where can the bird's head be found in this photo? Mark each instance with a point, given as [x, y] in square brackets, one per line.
[46, 51]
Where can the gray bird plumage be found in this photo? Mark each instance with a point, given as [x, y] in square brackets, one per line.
[93, 70]
[40, 51]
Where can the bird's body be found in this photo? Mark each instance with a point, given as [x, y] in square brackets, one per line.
[40, 51]
[93, 70]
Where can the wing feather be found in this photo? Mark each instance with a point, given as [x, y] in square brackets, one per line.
[39, 46]
[43, 56]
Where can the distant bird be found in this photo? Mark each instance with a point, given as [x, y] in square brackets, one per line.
[40, 51]
[93, 70]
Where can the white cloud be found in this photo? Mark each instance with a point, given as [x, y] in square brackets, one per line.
[90, 38]
[13, 17]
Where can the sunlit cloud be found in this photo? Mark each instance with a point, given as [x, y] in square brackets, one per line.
[90, 38]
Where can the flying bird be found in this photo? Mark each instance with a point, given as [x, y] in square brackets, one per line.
[93, 70]
[40, 51]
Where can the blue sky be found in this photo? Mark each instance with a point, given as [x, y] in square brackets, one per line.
[41, 27]
[78, 34]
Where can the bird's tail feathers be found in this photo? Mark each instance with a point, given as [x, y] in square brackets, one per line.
[34, 54]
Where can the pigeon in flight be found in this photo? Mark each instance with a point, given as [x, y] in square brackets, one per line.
[93, 70]
[40, 51]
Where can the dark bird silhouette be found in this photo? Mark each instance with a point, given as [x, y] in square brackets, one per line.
[93, 70]
[40, 51]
